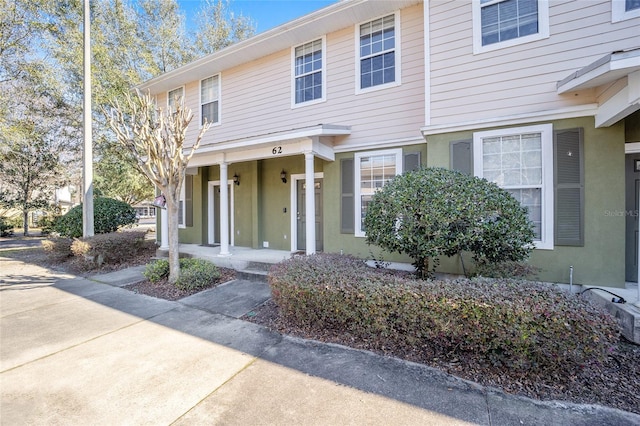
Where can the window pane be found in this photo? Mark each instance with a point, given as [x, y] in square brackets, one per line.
[210, 112]
[631, 5]
[375, 171]
[508, 19]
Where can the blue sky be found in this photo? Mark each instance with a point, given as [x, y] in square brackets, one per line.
[265, 14]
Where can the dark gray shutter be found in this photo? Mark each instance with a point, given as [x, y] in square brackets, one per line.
[461, 155]
[188, 200]
[347, 201]
[411, 161]
[568, 159]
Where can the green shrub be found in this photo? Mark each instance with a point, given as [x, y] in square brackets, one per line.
[433, 212]
[47, 224]
[156, 270]
[507, 270]
[522, 325]
[108, 216]
[58, 249]
[194, 273]
[6, 227]
[112, 248]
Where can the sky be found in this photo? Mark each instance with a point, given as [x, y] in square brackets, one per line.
[265, 14]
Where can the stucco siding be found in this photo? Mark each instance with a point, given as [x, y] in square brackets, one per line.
[256, 96]
[522, 78]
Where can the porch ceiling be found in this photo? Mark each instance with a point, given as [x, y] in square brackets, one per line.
[337, 16]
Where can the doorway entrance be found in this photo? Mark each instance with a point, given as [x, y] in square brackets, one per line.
[213, 210]
[301, 217]
[632, 205]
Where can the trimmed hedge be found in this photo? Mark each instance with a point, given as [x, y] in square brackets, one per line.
[112, 248]
[108, 216]
[194, 273]
[512, 323]
[58, 249]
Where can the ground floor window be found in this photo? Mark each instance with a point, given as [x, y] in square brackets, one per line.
[520, 160]
[372, 171]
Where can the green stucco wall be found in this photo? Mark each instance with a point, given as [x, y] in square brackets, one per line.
[601, 260]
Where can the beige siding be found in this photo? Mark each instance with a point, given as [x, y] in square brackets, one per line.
[519, 79]
[256, 97]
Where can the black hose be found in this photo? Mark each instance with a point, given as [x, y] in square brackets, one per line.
[614, 300]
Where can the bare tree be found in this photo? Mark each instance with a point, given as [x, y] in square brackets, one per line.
[156, 139]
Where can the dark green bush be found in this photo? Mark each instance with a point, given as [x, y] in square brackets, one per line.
[433, 212]
[47, 224]
[6, 227]
[108, 216]
[532, 327]
[58, 249]
[112, 248]
[507, 270]
[194, 273]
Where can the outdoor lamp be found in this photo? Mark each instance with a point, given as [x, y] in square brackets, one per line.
[283, 176]
[236, 179]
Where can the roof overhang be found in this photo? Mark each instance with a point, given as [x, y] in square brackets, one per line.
[332, 18]
[607, 69]
[317, 140]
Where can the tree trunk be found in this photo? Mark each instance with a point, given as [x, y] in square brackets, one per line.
[174, 253]
[25, 222]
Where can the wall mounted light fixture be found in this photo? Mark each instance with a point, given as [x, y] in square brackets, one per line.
[283, 176]
[236, 179]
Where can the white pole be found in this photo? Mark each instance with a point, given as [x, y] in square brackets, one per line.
[310, 205]
[224, 210]
[87, 175]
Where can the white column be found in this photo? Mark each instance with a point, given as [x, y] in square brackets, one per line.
[310, 203]
[224, 211]
[164, 226]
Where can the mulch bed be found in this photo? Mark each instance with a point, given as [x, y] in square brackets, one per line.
[163, 290]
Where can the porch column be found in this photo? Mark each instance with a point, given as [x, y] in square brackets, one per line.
[310, 203]
[164, 228]
[224, 211]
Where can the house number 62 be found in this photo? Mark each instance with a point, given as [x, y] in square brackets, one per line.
[277, 150]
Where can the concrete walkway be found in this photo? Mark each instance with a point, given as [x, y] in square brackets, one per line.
[80, 351]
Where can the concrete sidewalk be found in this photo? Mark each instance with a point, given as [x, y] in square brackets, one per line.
[79, 351]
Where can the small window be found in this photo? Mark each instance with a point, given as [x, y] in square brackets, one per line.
[624, 9]
[173, 96]
[308, 71]
[378, 44]
[210, 100]
[520, 160]
[372, 171]
[503, 23]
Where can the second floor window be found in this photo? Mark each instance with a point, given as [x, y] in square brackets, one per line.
[210, 100]
[502, 23]
[308, 71]
[174, 96]
[377, 52]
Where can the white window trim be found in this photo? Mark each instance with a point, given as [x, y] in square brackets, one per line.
[184, 94]
[357, 195]
[618, 12]
[543, 30]
[397, 50]
[217, 123]
[546, 131]
[323, 98]
[182, 198]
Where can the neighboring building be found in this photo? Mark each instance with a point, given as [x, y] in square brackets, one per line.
[540, 97]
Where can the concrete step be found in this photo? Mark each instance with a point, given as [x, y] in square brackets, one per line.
[252, 275]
